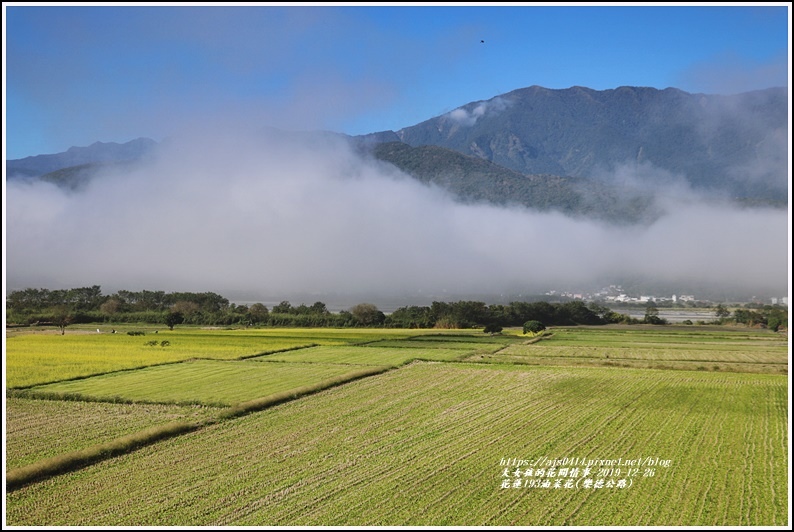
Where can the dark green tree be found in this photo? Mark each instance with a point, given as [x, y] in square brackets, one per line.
[492, 328]
[774, 322]
[459, 315]
[258, 313]
[318, 308]
[173, 318]
[83, 299]
[412, 317]
[367, 314]
[534, 327]
[721, 312]
[63, 316]
[578, 313]
[285, 307]
[652, 315]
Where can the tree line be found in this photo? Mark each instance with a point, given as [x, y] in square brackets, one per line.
[88, 305]
[770, 316]
[41, 306]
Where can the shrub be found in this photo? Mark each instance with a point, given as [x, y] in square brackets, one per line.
[492, 328]
[534, 327]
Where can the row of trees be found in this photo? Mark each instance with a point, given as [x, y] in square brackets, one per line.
[465, 314]
[90, 299]
[772, 317]
[89, 305]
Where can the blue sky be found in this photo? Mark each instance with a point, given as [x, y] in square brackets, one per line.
[75, 75]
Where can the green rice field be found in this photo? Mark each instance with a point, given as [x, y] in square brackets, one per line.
[41, 429]
[749, 351]
[367, 355]
[585, 426]
[427, 445]
[41, 358]
[207, 382]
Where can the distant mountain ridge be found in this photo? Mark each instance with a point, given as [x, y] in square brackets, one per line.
[550, 149]
[98, 152]
[732, 143]
[472, 180]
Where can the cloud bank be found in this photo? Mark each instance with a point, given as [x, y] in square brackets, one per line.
[273, 215]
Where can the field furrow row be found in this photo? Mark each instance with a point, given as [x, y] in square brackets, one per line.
[443, 442]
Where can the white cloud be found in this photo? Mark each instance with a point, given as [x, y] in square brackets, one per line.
[256, 215]
[465, 117]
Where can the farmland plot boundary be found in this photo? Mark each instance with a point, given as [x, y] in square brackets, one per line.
[15, 390]
[71, 461]
[74, 460]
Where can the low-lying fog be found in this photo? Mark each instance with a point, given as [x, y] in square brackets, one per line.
[245, 215]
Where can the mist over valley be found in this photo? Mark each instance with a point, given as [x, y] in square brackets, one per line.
[531, 191]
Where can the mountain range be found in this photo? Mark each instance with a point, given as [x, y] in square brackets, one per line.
[579, 151]
[98, 152]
